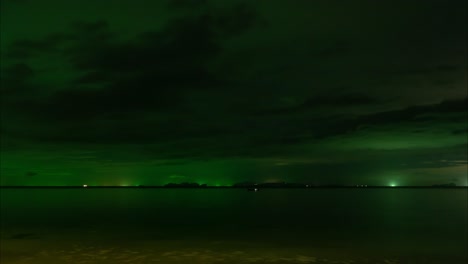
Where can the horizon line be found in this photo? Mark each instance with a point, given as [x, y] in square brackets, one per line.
[223, 187]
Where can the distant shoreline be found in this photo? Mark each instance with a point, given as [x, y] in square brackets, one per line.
[232, 187]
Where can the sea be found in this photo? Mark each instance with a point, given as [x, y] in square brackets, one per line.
[139, 226]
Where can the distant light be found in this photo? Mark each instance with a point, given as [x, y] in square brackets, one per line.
[307, 185]
[85, 185]
[392, 185]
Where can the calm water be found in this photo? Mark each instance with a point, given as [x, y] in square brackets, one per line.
[234, 226]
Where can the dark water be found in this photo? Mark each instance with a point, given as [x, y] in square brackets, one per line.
[234, 226]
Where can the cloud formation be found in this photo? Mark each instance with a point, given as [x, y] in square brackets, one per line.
[238, 81]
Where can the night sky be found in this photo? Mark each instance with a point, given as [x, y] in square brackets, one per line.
[151, 92]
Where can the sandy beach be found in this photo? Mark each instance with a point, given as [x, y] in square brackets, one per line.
[32, 249]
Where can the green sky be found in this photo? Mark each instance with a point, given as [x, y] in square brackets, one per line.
[218, 92]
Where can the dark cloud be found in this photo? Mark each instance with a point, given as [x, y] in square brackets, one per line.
[420, 113]
[14, 1]
[180, 137]
[18, 72]
[186, 3]
[417, 116]
[460, 131]
[148, 73]
[320, 102]
[342, 100]
[361, 88]
[27, 48]
[447, 111]
[31, 174]
[16, 80]
[437, 70]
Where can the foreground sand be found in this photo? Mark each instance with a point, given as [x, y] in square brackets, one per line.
[34, 250]
[100, 246]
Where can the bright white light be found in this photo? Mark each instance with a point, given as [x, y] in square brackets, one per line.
[85, 185]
